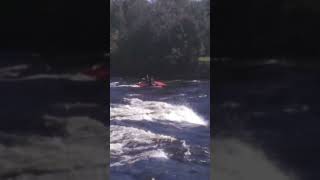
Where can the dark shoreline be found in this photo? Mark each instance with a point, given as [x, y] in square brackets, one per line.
[200, 72]
[66, 59]
[184, 77]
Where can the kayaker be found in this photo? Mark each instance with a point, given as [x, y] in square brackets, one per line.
[149, 80]
[145, 79]
[152, 80]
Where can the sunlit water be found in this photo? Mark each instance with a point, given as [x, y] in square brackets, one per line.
[160, 133]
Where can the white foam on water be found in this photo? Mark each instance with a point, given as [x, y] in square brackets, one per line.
[14, 68]
[118, 85]
[137, 110]
[132, 144]
[139, 147]
[195, 81]
[159, 154]
[128, 85]
[133, 95]
[114, 84]
[184, 144]
[202, 96]
[12, 71]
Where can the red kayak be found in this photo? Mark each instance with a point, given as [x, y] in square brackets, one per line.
[156, 84]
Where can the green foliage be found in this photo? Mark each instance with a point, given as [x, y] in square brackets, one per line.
[158, 35]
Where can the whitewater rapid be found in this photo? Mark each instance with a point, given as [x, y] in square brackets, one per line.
[136, 110]
[154, 138]
[52, 123]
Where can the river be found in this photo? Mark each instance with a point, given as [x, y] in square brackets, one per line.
[52, 123]
[266, 120]
[159, 133]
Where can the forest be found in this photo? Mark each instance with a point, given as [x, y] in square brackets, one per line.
[159, 37]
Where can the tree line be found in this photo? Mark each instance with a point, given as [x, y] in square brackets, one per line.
[158, 36]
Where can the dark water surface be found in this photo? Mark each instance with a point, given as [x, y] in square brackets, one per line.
[274, 106]
[160, 133]
[52, 124]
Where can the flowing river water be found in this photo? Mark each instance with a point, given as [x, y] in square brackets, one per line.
[52, 123]
[159, 133]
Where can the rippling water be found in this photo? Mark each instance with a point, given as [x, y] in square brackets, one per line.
[160, 133]
[52, 123]
[270, 111]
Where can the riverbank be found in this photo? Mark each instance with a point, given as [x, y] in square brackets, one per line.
[200, 70]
